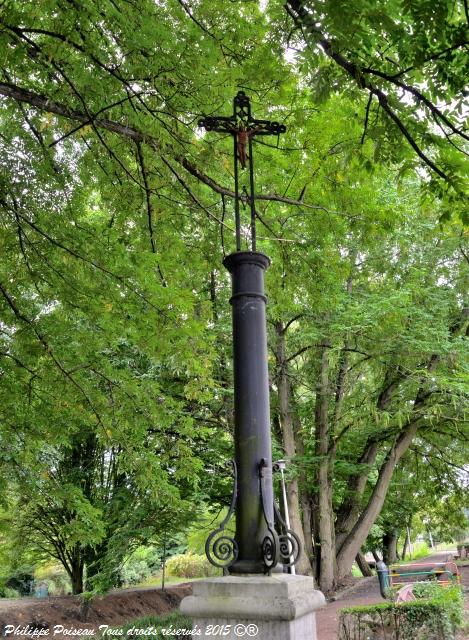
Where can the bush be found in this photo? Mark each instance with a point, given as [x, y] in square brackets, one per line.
[55, 577]
[134, 572]
[451, 598]
[21, 580]
[155, 625]
[434, 618]
[190, 565]
[391, 593]
[6, 592]
[421, 550]
[142, 563]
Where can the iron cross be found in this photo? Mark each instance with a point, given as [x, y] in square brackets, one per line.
[243, 127]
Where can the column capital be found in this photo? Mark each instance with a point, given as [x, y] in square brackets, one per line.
[246, 257]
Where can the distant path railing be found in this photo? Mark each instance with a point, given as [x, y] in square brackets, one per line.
[446, 573]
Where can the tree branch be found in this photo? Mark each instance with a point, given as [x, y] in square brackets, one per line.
[45, 104]
[75, 254]
[367, 114]
[420, 97]
[300, 351]
[149, 207]
[17, 361]
[13, 306]
[291, 321]
[303, 19]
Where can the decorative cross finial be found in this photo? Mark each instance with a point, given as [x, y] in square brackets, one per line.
[243, 127]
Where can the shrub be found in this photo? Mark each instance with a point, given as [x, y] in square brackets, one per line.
[451, 598]
[391, 593]
[134, 572]
[435, 618]
[21, 581]
[55, 577]
[6, 592]
[421, 550]
[190, 565]
[142, 563]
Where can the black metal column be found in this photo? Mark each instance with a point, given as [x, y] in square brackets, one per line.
[252, 414]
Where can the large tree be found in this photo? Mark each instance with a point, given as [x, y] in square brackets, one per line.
[370, 360]
[114, 219]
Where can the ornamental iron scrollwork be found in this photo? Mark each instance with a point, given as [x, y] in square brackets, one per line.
[221, 549]
[241, 114]
[270, 543]
[270, 550]
[290, 545]
[284, 548]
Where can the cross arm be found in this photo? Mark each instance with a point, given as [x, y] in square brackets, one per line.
[222, 124]
[266, 127]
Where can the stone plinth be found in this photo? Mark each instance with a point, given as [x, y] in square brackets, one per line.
[277, 607]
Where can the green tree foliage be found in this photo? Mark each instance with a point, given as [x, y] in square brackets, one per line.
[115, 213]
[410, 58]
[427, 494]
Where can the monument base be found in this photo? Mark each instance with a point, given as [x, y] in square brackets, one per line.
[277, 607]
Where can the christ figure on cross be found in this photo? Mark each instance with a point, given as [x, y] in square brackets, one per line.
[243, 127]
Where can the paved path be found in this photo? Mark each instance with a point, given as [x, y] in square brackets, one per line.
[365, 592]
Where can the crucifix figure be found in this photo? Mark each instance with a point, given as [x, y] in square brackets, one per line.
[243, 127]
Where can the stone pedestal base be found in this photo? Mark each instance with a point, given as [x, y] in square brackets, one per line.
[277, 607]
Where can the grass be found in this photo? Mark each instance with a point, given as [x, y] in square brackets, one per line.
[420, 551]
[462, 563]
[155, 581]
[153, 627]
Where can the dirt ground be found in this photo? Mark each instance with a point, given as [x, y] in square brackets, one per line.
[115, 609]
[123, 606]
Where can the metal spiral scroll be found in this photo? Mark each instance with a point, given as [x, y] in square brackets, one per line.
[270, 549]
[290, 545]
[222, 550]
[270, 543]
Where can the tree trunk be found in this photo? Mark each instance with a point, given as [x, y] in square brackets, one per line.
[315, 529]
[352, 504]
[326, 514]
[72, 561]
[76, 577]
[406, 542]
[350, 509]
[404, 548]
[326, 572]
[363, 565]
[305, 498]
[307, 526]
[390, 546]
[360, 531]
[358, 534]
[286, 422]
